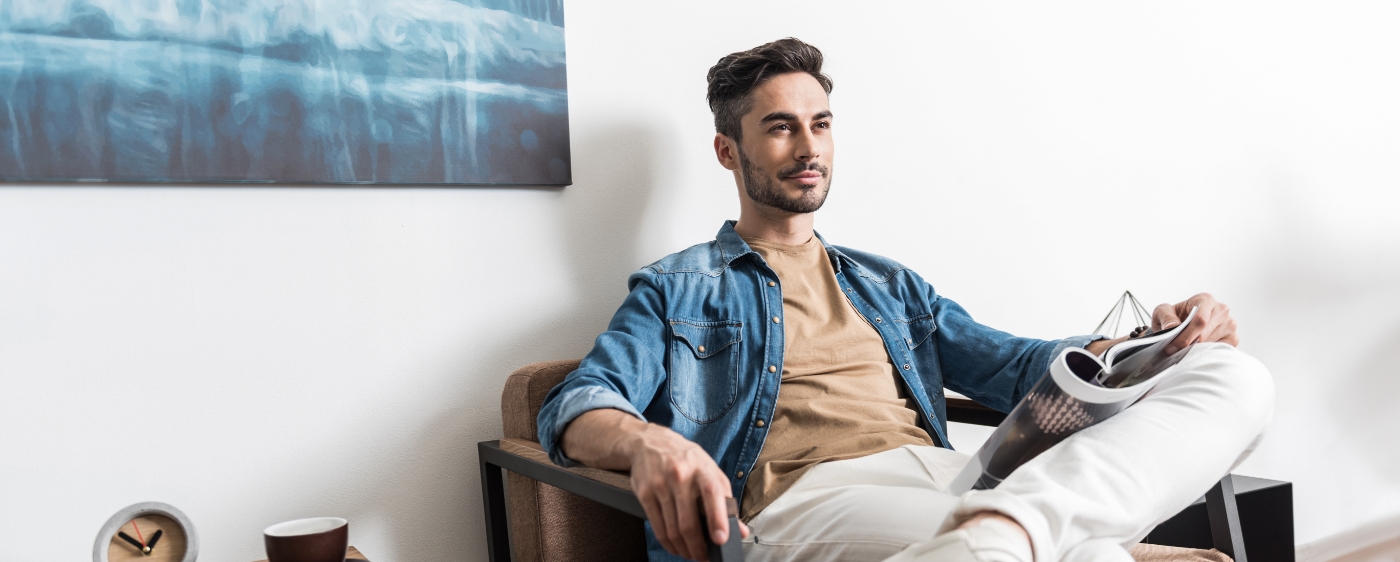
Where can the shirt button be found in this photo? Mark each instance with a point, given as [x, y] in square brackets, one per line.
[777, 320]
[740, 474]
[906, 366]
[878, 319]
[701, 349]
[758, 423]
[772, 368]
[772, 284]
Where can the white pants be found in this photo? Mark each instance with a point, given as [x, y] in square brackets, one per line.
[1087, 499]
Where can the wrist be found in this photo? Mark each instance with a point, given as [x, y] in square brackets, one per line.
[644, 436]
[1097, 347]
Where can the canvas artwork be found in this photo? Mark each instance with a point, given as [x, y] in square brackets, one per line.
[299, 91]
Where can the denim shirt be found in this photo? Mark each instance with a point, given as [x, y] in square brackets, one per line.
[698, 344]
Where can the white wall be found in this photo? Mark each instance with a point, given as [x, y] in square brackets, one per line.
[254, 354]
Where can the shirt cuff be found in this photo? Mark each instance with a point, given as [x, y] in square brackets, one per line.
[1072, 341]
[574, 403]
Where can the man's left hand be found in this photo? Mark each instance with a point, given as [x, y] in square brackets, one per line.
[1212, 323]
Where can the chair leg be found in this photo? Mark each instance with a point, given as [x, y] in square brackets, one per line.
[1224, 518]
[493, 498]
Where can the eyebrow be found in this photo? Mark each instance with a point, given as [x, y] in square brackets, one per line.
[785, 116]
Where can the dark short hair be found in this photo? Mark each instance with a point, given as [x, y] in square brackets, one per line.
[735, 76]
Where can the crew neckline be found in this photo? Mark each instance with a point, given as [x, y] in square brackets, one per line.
[811, 244]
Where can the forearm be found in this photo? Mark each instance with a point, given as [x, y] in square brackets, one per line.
[603, 438]
[672, 476]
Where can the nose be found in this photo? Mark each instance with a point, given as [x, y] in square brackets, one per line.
[806, 146]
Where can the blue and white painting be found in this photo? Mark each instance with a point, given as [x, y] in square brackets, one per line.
[302, 91]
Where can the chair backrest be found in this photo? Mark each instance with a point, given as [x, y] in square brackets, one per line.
[549, 524]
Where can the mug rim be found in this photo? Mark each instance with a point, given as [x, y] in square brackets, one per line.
[299, 527]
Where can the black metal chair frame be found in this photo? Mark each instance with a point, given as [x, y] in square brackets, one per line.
[1221, 508]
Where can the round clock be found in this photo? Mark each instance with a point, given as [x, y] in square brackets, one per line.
[149, 532]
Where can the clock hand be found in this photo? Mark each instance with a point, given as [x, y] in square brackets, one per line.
[133, 542]
[145, 549]
[154, 537]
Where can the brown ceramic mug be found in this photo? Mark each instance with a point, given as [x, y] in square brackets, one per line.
[317, 539]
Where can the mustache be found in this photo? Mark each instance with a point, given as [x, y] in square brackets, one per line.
[800, 167]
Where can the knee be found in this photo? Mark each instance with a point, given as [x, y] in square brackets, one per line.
[1244, 382]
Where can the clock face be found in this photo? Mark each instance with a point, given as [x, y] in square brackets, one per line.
[153, 538]
[149, 532]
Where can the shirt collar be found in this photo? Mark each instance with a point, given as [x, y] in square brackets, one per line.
[732, 247]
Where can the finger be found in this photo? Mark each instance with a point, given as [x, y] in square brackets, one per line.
[716, 510]
[1205, 322]
[1164, 318]
[656, 514]
[674, 530]
[1224, 333]
[688, 520]
[744, 530]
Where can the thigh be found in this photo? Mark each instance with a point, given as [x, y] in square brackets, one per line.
[858, 509]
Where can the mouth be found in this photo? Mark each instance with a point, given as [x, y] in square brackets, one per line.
[808, 178]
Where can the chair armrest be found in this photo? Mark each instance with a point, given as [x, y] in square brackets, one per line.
[963, 410]
[527, 458]
[610, 488]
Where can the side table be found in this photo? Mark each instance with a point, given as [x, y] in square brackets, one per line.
[351, 555]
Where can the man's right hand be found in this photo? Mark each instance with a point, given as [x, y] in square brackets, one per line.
[671, 475]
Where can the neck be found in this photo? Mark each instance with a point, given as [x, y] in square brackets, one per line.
[773, 225]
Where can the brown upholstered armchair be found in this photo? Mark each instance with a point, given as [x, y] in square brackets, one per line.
[556, 514]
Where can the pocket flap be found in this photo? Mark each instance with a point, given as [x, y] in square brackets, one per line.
[706, 338]
[917, 329]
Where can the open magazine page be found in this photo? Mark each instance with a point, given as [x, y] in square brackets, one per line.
[1074, 394]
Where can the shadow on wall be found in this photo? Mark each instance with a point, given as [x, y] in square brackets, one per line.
[1329, 297]
[430, 496]
[1364, 400]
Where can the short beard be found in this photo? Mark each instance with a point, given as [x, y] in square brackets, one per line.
[767, 190]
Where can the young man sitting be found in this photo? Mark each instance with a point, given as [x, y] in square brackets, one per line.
[806, 381]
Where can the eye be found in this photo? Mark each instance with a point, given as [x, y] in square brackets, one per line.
[823, 125]
[780, 127]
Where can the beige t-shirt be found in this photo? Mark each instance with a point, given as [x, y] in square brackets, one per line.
[838, 397]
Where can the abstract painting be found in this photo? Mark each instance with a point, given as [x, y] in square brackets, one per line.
[299, 91]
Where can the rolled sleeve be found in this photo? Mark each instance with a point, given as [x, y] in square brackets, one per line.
[1060, 347]
[1072, 341]
[623, 371]
[570, 404]
[990, 366]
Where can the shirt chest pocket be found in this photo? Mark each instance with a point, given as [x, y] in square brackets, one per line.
[703, 363]
[916, 330]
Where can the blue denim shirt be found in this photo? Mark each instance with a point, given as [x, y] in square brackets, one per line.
[698, 346]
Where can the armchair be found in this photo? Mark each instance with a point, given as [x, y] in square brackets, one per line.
[546, 513]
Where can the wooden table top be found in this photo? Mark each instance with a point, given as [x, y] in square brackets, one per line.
[351, 555]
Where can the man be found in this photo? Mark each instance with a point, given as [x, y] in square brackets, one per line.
[849, 460]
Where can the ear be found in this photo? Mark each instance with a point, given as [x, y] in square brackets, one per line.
[726, 151]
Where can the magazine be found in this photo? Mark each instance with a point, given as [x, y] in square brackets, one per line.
[1079, 390]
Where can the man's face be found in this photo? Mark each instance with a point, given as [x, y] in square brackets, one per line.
[787, 148]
